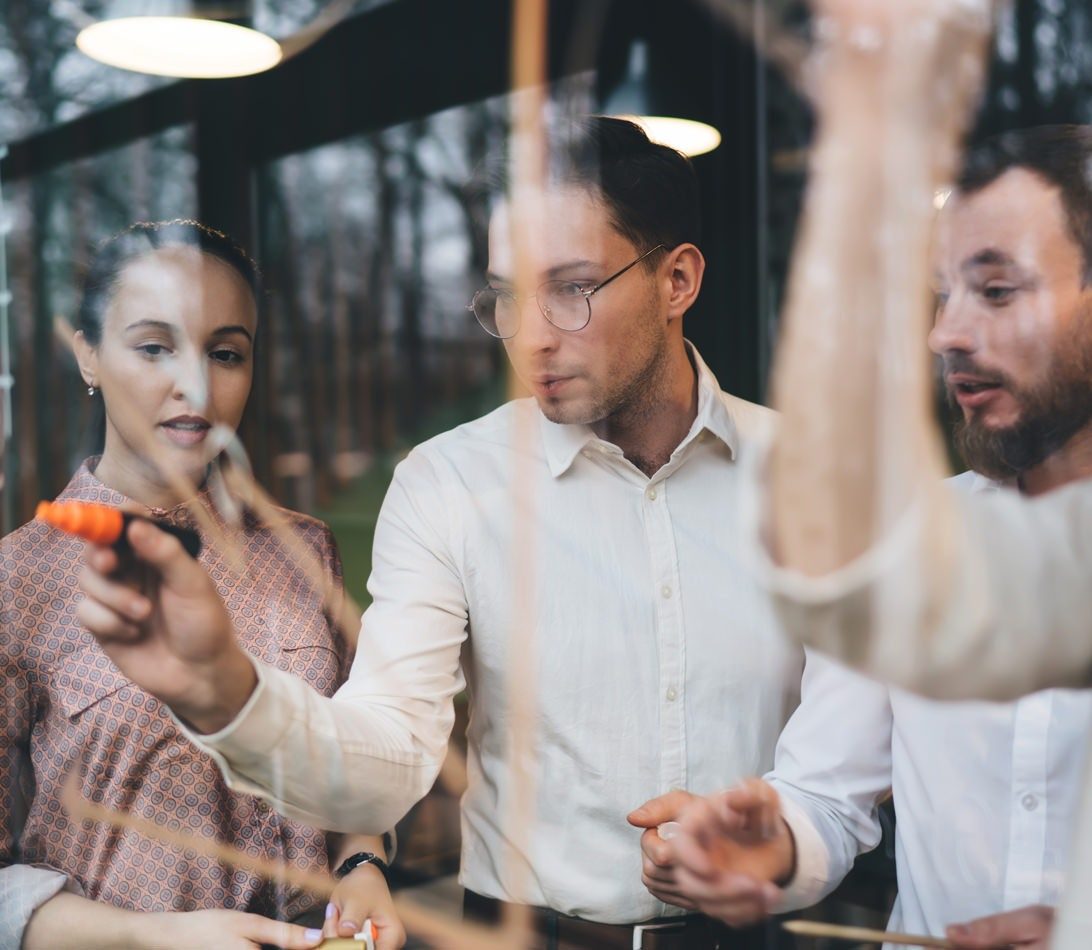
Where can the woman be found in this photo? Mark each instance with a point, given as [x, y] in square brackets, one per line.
[166, 334]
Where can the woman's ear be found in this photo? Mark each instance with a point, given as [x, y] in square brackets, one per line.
[87, 358]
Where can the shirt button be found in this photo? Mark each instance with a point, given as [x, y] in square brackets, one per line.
[666, 591]
[651, 494]
[1030, 802]
[671, 694]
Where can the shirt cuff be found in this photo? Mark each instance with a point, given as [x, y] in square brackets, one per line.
[811, 880]
[893, 549]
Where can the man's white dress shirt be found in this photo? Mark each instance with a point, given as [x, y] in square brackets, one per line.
[658, 663]
[986, 794]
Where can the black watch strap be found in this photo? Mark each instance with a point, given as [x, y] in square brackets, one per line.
[354, 861]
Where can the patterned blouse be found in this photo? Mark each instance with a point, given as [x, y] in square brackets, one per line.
[63, 702]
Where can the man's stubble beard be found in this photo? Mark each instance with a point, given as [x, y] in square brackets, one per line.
[1051, 413]
[628, 400]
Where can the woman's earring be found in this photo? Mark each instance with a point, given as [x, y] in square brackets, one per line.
[90, 390]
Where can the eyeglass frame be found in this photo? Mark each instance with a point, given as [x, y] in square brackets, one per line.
[587, 295]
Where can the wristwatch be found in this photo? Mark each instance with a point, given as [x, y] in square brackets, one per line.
[354, 861]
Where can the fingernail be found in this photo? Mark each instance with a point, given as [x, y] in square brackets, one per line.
[330, 909]
[350, 925]
[960, 930]
[668, 830]
[312, 934]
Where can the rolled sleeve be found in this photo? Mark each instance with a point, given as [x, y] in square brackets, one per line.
[831, 768]
[968, 596]
[813, 877]
[320, 761]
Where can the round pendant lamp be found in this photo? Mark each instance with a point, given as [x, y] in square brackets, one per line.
[178, 39]
[634, 98]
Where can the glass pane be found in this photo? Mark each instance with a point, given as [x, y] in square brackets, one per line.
[371, 248]
[45, 80]
[56, 220]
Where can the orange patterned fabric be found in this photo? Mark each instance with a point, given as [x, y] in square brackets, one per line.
[63, 702]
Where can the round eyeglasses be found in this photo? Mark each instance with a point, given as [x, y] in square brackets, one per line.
[567, 305]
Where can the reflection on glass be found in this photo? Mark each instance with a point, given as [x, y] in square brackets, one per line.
[58, 218]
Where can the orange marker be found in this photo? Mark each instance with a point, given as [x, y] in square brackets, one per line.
[104, 525]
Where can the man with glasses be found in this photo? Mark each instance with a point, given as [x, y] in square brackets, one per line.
[565, 304]
[590, 531]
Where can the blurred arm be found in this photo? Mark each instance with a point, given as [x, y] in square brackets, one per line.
[857, 445]
[875, 560]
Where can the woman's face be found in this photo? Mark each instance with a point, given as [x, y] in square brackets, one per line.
[174, 360]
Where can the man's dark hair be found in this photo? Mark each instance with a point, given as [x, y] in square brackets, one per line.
[1061, 155]
[650, 190]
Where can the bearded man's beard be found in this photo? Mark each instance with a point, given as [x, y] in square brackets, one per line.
[1051, 413]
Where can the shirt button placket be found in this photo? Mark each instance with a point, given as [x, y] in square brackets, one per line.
[658, 519]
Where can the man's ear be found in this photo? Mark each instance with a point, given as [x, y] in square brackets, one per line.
[87, 358]
[685, 268]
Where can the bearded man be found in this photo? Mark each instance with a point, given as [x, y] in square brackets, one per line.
[986, 793]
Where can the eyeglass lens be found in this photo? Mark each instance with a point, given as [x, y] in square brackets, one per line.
[563, 303]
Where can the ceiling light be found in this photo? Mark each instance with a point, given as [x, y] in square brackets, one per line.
[637, 96]
[180, 46]
[686, 135]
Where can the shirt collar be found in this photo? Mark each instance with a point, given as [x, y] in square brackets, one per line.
[564, 441]
[85, 486]
[714, 416]
[983, 483]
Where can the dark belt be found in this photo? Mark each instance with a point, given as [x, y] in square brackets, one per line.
[560, 932]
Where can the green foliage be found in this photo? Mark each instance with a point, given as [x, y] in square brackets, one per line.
[354, 511]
